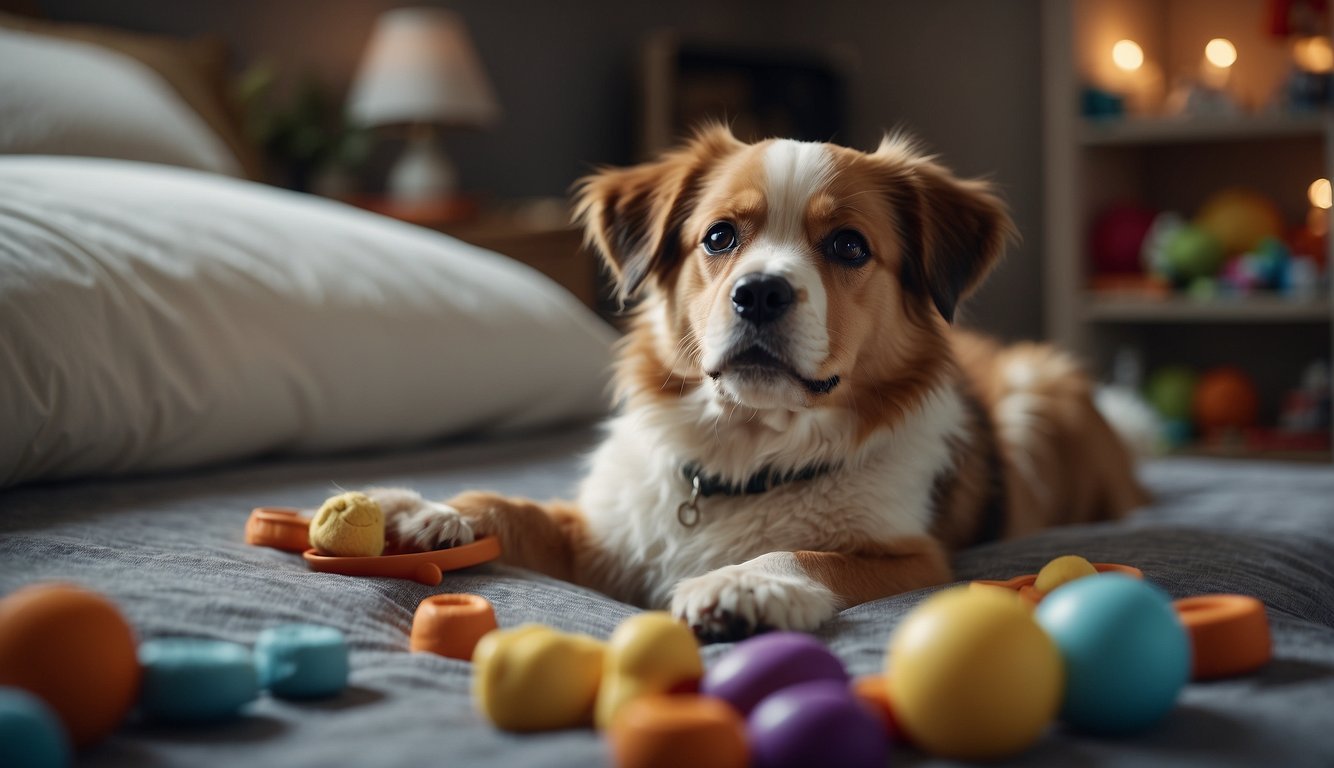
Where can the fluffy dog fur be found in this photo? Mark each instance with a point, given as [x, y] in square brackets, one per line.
[915, 438]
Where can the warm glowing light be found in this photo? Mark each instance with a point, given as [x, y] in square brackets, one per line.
[1319, 193]
[1314, 54]
[1127, 55]
[1221, 52]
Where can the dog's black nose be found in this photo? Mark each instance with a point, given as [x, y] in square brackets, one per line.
[759, 298]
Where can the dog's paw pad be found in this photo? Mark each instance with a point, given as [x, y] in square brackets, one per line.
[736, 602]
[434, 526]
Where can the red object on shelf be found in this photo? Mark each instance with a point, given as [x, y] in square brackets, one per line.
[1225, 399]
[1116, 239]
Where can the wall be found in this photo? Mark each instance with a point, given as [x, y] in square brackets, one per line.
[961, 74]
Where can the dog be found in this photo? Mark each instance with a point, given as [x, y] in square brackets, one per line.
[802, 428]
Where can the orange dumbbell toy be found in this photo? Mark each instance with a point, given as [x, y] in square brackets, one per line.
[451, 625]
[278, 527]
[693, 731]
[73, 649]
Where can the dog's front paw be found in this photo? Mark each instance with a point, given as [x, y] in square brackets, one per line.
[738, 601]
[417, 525]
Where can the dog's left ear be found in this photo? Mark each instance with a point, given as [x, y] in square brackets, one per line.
[954, 229]
[633, 216]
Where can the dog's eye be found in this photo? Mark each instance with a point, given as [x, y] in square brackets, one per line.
[720, 238]
[849, 247]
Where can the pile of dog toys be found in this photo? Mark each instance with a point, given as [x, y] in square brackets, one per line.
[974, 672]
[71, 671]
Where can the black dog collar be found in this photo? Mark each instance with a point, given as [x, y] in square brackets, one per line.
[765, 480]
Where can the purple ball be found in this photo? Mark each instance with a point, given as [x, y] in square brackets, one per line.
[761, 665]
[814, 724]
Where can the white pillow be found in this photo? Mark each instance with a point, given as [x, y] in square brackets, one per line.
[154, 317]
[62, 97]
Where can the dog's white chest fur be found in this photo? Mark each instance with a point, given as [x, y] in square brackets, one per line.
[877, 491]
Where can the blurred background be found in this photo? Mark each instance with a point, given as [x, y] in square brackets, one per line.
[1167, 163]
[568, 78]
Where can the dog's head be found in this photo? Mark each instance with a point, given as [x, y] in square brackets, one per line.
[786, 274]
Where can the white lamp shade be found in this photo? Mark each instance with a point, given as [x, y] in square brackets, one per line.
[421, 67]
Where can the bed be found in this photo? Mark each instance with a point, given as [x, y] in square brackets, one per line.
[178, 347]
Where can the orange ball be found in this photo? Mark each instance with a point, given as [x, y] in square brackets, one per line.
[1225, 398]
[873, 691]
[658, 731]
[72, 649]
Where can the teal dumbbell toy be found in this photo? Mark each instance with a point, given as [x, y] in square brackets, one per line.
[302, 661]
[193, 680]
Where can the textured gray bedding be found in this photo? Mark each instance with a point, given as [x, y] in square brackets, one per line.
[169, 551]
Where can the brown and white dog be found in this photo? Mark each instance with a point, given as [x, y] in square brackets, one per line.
[801, 427]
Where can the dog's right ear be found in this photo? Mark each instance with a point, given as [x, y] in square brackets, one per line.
[633, 216]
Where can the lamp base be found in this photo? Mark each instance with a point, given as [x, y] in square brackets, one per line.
[423, 172]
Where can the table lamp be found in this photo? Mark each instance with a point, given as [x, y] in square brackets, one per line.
[420, 70]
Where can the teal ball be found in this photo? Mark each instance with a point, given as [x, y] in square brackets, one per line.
[1126, 653]
[31, 735]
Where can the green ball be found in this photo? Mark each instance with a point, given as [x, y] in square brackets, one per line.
[1191, 252]
[1170, 391]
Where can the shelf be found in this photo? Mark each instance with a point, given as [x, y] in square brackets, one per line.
[1181, 309]
[1199, 450]
[1176, 130]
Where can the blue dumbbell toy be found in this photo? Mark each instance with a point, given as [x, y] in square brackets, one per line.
[193, 680]
[302, 661]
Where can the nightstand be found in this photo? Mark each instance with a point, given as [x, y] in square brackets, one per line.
[538, 234]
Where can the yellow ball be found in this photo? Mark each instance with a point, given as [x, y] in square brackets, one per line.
[972, 675]
[1063, 570]
[533, 678]
[348, 525]
[1240, 218]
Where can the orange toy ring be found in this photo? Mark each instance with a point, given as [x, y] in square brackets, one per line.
[1229, 634]
[422, 567]
[282, 528]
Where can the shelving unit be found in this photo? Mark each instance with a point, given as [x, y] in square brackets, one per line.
[1174, 163]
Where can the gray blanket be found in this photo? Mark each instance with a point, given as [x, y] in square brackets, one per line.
[169, 551]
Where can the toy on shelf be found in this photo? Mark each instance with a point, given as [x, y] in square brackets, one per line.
[193, 680]
[972, 676]
[1239, 219]
[73, 649]
[649, 653]
[533, 678]
[451, 625]
[1225, 399]
[674, 731]
[1126, 655]
[348, 525]
[1306, 409]
[31, 735]
[1118, 234]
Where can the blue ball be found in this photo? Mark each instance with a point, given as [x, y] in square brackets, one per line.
[1126, 653]
[192, 680]
[31, 736]
[302, 661]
